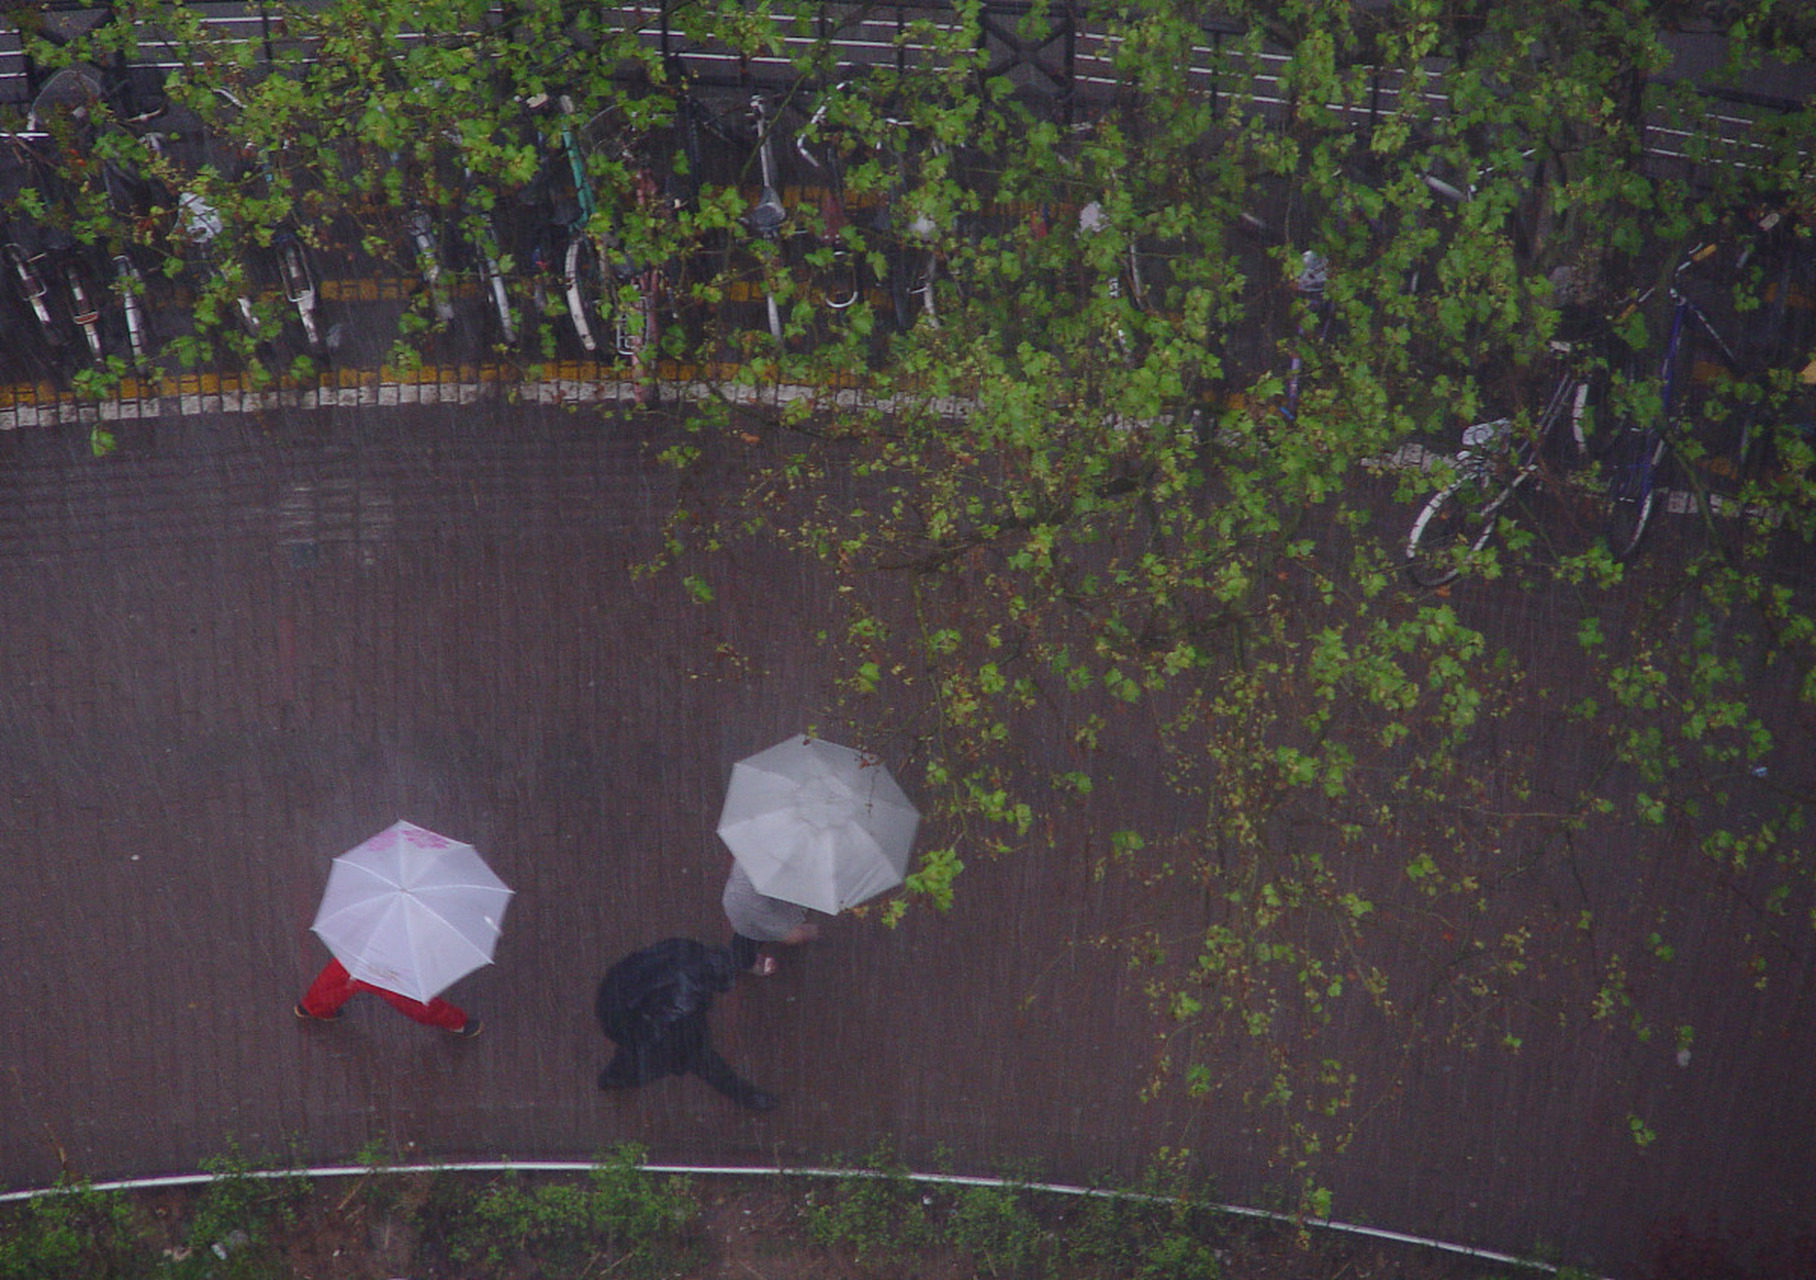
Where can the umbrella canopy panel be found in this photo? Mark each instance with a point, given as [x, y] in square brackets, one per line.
[412, 911]
[818, 824]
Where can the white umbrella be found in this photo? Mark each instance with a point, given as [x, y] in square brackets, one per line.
[411, 911]
[817, 824]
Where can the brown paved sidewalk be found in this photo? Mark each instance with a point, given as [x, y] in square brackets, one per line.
[239, 647]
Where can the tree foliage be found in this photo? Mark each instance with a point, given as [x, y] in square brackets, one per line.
[1101, 470]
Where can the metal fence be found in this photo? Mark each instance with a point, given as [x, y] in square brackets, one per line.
[1065, 59]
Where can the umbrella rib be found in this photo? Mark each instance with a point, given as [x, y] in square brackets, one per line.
[360, 868]
[476, 949]
[409, 930]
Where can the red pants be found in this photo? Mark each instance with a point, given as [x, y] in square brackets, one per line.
[334, 986]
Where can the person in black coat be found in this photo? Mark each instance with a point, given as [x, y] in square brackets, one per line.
[652, 1005]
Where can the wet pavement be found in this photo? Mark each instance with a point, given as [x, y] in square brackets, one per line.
[247, 641]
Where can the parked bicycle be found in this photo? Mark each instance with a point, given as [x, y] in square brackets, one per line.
[839, 285]
[47, 265]
[1498, 459]
[477, 245]
[638, 286]
[1633, 453]
[585, 268]
[768, 214]
[289, 255]
[1777, 265]
[871, 238]
[914, 264]
[201, 231]
[1312, 313]
[425, 248]
[128, 199]
[536, 229]
[299, 283]
[85, 117]
[1638, 459]
[131, 197]
[570, 242]
[1278, 221]
[24, 267]
[1309, 284]
[1124, 283]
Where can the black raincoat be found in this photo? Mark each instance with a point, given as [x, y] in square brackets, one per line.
[653, 1003]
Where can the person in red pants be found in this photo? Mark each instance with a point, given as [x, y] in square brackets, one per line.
[334, 986]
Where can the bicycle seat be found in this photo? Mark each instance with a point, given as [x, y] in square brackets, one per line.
[768, 214]
[1314, 273]
[1481, 434]
[197, 219]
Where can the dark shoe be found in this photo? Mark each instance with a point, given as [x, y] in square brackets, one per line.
[304, 1014]
[609, 1081]
[470, 1028]
[759, 1100]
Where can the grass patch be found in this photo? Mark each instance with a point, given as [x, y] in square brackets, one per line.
[618, 1220]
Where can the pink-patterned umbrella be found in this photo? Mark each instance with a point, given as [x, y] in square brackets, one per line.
[411, 911]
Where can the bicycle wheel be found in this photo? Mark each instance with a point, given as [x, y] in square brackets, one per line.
[131, 287]
[583, 279]
[911, 288]
[498, 299]
[904, 305]
[1632, 471]
[299, 289]
[479, 251]
[34, 293]
[84, 310]
[1457, 521]
[1561, 424]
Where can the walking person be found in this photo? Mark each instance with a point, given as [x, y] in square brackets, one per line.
[409, 911]
[652, 1005]
[334, 986]
[757, 918]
